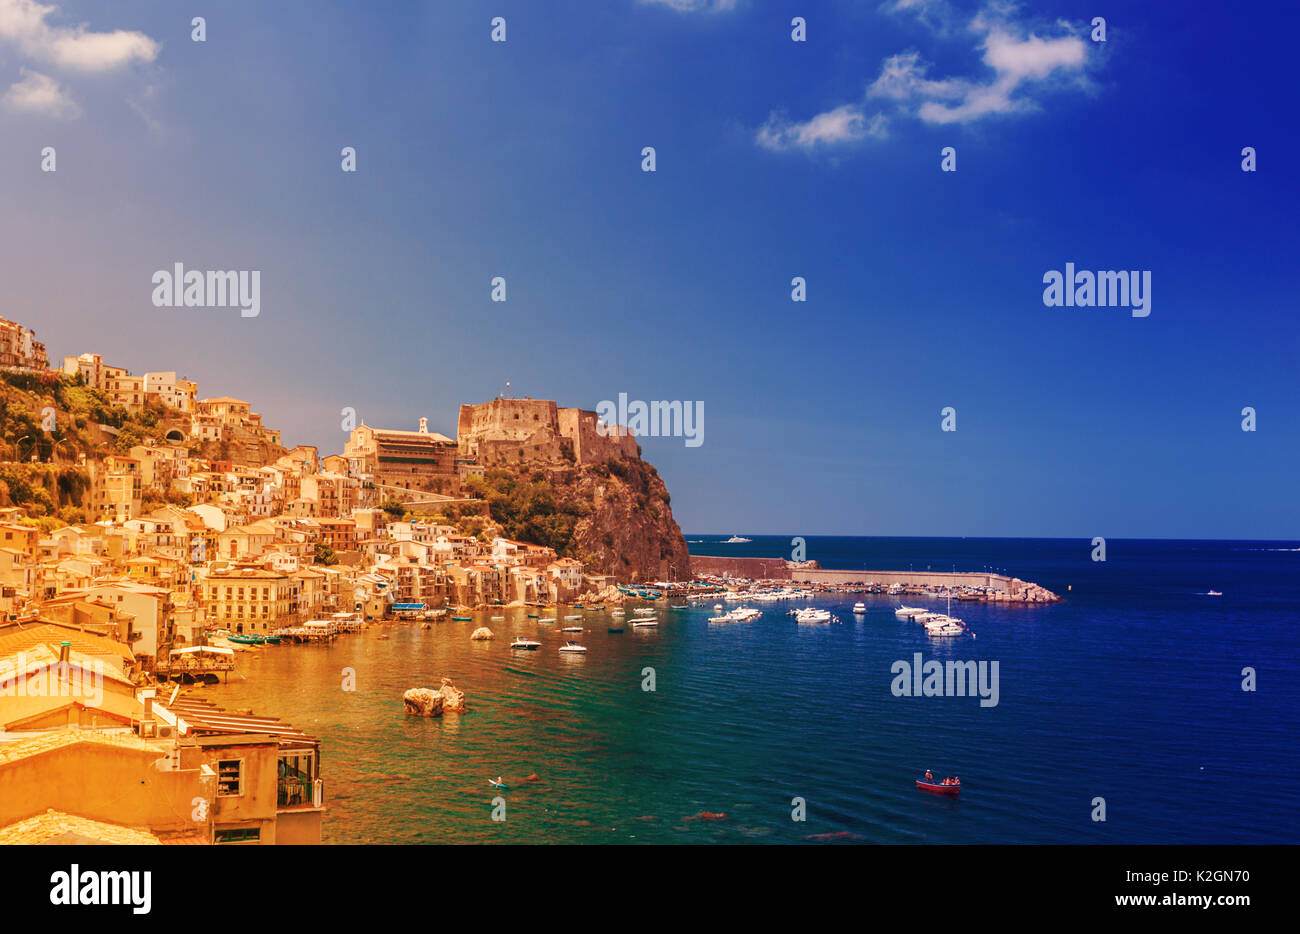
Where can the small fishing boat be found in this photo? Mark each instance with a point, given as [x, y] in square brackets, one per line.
[272, 640]
[577, 606]
[533, 615]
[618, 612]
[462, 619]
[571, 629]
[525, 644]
[938, 788]
[497, 619]
[677, 606]
[549, 619]
[601, 607]
[498, 782]
[248, 640]
[573, 617]
[573, 647]
[644, 621]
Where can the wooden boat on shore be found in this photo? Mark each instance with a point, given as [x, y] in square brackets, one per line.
[938, 788]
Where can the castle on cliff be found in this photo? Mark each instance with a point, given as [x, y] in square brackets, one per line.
[537, 433]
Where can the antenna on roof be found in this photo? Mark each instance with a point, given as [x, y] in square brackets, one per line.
[507, 389]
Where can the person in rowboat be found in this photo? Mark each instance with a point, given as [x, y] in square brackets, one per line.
[929, 777]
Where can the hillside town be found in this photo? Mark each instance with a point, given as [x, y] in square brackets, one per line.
[206, 538]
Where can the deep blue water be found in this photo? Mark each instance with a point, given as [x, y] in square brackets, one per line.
[1131, 691]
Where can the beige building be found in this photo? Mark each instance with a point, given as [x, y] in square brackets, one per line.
[250, 600]
[407, 460]
[20, 348]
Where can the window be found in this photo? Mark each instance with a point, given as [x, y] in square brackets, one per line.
[230, 777]
[238, 835]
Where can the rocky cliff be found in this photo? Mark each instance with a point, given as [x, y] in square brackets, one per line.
[626, 526]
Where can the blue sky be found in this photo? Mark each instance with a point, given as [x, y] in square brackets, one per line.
[775, 159]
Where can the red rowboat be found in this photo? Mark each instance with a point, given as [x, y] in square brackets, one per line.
[935, 788]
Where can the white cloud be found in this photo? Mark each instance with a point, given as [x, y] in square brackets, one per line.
[843, 124]
[40, 94]
[696, 6]
[1016, 62]
[1020, 62]
[23, 23]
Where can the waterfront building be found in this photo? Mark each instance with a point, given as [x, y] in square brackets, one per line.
[250, 599]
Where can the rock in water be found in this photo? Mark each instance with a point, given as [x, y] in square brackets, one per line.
[481, 633]
[453, 698]
[423, 702]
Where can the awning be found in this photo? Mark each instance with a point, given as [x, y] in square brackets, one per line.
[215, 649]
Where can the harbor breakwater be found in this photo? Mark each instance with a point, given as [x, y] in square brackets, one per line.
[997, 586]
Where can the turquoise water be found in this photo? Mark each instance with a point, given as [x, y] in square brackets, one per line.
[1129, 691]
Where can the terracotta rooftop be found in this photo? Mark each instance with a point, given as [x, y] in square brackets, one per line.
[57, 827]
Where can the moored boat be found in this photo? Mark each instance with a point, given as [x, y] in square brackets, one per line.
[525, 644]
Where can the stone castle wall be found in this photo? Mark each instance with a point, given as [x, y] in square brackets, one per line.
[536, 433]
[589, 445]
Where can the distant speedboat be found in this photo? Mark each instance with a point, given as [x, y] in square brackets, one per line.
[1214, 593]
[737, 540]
[525, 644]
[859, 608]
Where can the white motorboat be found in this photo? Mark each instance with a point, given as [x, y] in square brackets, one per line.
[573, 617]
[812, 615]
[549, 619]
[737, 540]
[645, 611]
[859, 608]
[571, 629]
[573, 647]
[910, 612]
[644, 621]
[525, 644]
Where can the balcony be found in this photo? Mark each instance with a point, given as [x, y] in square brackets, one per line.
[300, 793]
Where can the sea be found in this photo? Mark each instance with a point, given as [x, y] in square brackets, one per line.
[1140, 699]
